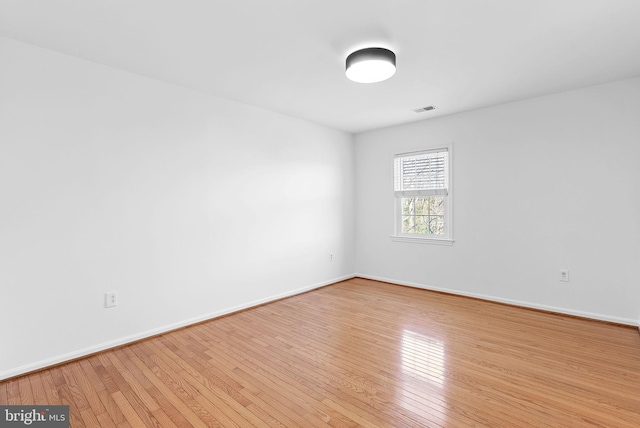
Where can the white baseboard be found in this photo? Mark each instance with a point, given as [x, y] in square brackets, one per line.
[160, 330]
[167, 328]
[590, 315]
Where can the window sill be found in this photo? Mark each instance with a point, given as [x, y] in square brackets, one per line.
[417, 240]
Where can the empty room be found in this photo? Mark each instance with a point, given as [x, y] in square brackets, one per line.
[407, 213]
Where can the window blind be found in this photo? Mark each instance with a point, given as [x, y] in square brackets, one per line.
[422, 174]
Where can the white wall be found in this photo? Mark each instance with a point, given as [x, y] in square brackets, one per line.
[114, 182]
[541, 184]
[187, 205]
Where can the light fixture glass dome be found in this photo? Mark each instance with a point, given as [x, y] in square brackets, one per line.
[371, 65]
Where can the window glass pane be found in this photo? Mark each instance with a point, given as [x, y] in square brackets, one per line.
[423, 215]
[421, 171]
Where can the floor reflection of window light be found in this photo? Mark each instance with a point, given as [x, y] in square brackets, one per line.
[423, 356]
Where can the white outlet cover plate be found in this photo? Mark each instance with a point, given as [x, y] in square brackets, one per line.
[110, 300]
[563, 275]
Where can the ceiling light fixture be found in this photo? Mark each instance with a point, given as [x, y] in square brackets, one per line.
[371, 65]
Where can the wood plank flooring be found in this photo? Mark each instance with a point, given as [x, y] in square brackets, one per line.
[359, 353]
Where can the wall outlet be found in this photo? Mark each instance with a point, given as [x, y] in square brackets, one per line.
[563, 275]
[330, 257]
[110, 299]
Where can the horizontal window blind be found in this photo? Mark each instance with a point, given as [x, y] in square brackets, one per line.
[422, 174]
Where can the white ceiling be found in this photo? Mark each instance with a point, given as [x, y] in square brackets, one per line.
[288, 55]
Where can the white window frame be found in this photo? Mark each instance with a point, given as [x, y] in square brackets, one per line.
[447, 238]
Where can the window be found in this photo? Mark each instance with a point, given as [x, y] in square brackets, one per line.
[423, 196]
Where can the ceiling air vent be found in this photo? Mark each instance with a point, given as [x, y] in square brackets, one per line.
[423, 109]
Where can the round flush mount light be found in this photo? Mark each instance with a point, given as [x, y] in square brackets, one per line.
[371, 65]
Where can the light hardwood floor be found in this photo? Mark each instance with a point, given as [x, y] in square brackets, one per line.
[358, 353]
